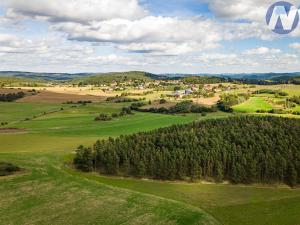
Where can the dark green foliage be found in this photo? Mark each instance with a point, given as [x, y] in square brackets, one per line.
[103, 117]
[181, 107]
[84, 159]
[11, 97]
[203, 80]
[137, 105]
[119, 77]
[7, 168]
[268, 91]
[126, 110]
[177, 88]
[229, 100]
[106, 117]
[162, 101]
[118, 99]
[295, 99]
[240, 150]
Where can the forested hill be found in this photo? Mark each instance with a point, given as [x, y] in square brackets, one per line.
[117, 77]
[96, 78]
[248, 149]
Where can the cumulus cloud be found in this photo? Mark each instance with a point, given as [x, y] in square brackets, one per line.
[82, 11]
[127, 25]
[149, 34]
[13, 44]
[252, 10]
[89, 26]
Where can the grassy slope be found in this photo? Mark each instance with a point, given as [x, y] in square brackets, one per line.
[46, 194]
[16, 81]
[74, 126]
[252, 105]
[229, 204]
[14, 111]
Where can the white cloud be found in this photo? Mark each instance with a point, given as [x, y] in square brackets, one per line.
[167, 48]
[103, 33]
[252, 10]
[151, 34]
[295, 45]
[262, 51]
[126, 24]
[82, 11]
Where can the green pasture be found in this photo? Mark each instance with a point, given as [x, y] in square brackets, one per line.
[46, 194]
[230, 204]
[252, 105]
[15, 112]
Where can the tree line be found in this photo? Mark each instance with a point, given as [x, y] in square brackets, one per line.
[10, 97]
[228, 100]
[246, 149]
[181, 107]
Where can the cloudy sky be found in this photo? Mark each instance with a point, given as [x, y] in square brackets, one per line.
[174, 36]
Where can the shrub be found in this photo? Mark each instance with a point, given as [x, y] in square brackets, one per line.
[103, 117]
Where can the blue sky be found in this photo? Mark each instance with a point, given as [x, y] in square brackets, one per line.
[187, 36]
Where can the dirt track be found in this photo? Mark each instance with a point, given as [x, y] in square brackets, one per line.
[11, 130]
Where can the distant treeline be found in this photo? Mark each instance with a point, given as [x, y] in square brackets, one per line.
[120, 99]
[285, 80]
[10, 97]
[181, 107]
[238, 149]
[204, 80]
[268, 91]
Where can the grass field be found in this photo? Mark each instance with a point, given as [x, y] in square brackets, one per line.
[252, 105]
[65, 130]
[229, 204]
[50, 193]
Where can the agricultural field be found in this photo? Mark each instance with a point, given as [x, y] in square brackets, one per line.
[40, 136]
[252, 105]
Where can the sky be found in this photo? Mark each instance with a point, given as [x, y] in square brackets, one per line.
[174, 36]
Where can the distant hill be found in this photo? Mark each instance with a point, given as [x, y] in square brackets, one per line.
[261, 76]
[43, 76]
[95, 78]
[118, 77]
[19, 81]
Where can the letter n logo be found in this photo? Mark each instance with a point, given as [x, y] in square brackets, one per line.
[282, 17]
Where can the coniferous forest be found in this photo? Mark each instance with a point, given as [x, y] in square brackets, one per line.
[248, 149]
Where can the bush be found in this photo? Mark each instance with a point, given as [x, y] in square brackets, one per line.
[114, 115]
[103, 117]
[7, 168]
[11, 97]
[162, 101]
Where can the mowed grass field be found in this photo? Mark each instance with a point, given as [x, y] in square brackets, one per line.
[230, 204]
[65, 130]
[252, 105]
[46, 194]
[49, 192]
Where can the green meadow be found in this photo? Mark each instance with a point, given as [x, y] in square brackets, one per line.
[49, 191]
[252, 105]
